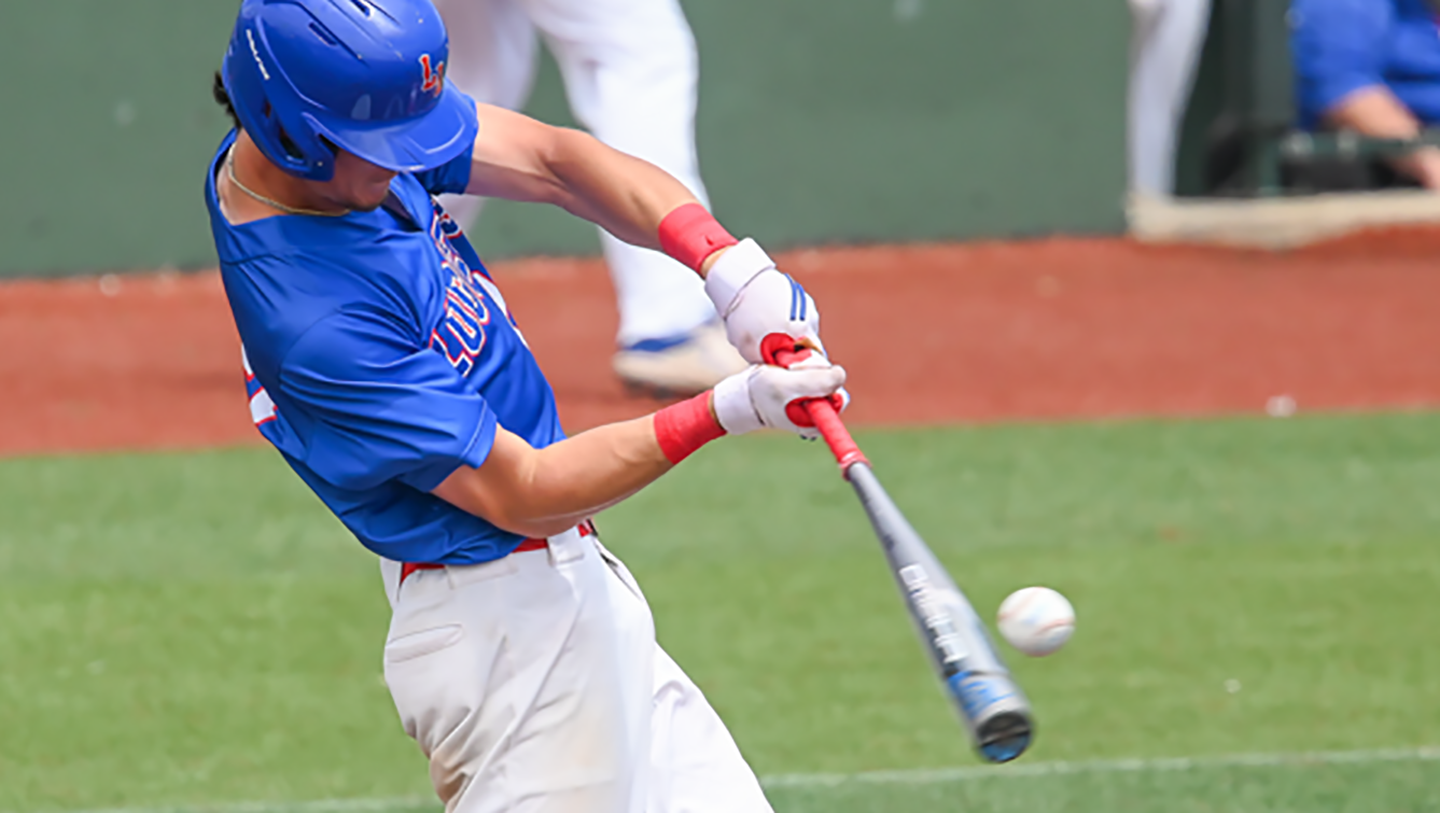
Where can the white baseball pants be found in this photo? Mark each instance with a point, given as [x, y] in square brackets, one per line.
[630, 70]
[1165, 43]
[534, 685]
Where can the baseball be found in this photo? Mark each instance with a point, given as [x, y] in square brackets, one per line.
[1036, 620]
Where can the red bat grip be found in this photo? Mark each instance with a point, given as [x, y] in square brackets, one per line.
[822, 412]
[827, 420]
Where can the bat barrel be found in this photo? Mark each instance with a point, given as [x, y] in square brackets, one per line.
[990, 703]
[996, 713]
[1005, 736]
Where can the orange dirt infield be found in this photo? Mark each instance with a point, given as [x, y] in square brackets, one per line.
[1049, 329]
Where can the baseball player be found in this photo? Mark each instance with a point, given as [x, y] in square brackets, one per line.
[630, 71]
[382, 362]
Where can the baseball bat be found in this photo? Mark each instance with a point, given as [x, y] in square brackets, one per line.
[994, 710]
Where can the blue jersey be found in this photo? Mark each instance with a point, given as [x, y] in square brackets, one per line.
[379, 358]
[1341, 46]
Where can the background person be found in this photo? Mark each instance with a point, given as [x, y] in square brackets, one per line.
[1371, 66]
[630, 70]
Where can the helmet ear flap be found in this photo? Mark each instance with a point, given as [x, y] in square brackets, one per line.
[288, 144]
[251, 87]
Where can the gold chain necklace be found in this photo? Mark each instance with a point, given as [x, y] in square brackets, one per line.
[274, 204]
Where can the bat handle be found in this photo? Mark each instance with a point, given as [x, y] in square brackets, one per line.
[827, 420]
[822, 412]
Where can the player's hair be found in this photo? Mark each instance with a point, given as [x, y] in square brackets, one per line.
[222, 98]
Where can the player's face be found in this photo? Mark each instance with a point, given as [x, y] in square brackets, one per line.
[357, 183]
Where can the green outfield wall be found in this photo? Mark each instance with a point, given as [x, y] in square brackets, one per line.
[821, 121]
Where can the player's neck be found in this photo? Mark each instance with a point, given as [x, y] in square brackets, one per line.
[259, 175]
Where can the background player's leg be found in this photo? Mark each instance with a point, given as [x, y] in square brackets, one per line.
[1164, 51]
[630, 70]
[493, 57]
[518, 680]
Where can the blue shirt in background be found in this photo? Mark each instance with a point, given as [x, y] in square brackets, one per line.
[1341, 46]
[379, 358]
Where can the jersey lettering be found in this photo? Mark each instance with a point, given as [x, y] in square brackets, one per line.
[444, 230]
[461, 336]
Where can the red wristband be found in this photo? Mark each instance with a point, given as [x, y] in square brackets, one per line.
[690, 234]
[684, 427]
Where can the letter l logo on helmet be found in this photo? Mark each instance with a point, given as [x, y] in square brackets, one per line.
[434, 81]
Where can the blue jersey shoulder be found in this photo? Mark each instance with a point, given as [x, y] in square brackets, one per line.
[379, 358]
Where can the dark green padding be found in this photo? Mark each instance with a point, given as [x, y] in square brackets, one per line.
[821, 121]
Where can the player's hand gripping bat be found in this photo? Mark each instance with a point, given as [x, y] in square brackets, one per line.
[994, 710]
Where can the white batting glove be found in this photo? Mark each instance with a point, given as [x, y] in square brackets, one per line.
[764, 396]
[755, 300]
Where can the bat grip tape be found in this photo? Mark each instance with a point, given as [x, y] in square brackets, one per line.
[827, 420]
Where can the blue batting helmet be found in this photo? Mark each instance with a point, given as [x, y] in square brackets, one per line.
[368, 76]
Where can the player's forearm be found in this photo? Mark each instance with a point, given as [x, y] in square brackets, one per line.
[519, 158]
[541, 492]
[624, 195]
[1375, 112]
[582, 475]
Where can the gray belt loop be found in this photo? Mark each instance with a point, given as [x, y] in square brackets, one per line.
[566, 546]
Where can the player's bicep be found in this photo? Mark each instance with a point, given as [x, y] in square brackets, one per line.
[511, 157]
[494, 489]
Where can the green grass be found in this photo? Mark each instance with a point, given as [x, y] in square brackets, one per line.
[196, 629]
[1348, 788]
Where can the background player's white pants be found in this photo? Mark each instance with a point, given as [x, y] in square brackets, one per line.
[534, 683]
[1165, 44]
[630, 71]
